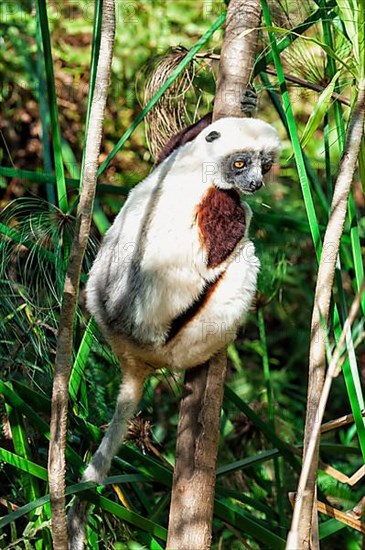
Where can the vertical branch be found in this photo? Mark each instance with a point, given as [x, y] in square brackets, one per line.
[192, 501]
[305, 511]
[56, 458]
[237, 57]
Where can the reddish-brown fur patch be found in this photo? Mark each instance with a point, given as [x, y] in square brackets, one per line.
[221, 222]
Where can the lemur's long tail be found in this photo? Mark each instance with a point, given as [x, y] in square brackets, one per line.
[129, 396]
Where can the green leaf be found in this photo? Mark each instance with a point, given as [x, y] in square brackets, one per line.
[248, 462]
[14, 400]
[246, 522]
[79, 365]
[319, 111]
[265, 428]
[72, 183]
[52, 97]
[23, 464]
[348, 12]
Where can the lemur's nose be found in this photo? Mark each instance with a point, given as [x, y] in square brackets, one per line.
[255, 183]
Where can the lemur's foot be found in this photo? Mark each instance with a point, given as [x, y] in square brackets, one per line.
[249, 100]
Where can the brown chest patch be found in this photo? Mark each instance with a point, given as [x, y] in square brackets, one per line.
[221, 222]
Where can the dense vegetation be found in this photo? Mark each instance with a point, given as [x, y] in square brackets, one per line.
[264, 407]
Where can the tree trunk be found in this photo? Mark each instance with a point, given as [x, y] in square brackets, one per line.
[237, 57]
[192, 501]
[56, 459]
[196, 451]
[305, 512]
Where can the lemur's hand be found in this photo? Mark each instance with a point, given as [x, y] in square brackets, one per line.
[249, 100]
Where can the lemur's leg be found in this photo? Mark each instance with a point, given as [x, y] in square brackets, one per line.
[129, 396]
[130, 393]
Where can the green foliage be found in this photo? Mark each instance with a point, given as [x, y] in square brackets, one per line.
[262, 420]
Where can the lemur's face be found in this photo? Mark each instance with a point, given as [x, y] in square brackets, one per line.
[245, 170]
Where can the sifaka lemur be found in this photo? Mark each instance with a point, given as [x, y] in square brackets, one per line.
[176, 272]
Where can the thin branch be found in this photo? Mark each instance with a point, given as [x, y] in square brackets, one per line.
[310, 85]
[338, 422]
[349, 517]
[300, 534]
[56, 459]
[288, 77]
[310, 456]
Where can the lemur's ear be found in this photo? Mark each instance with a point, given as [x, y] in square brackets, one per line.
[212, 136]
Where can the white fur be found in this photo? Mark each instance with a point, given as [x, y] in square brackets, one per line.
[170, 257]
[152, 267]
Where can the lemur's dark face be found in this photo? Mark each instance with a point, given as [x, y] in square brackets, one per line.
[245, 170]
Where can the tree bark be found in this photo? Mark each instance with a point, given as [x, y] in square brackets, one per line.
[237, 57]
[56, 458]
[192, 501]
[305, 512]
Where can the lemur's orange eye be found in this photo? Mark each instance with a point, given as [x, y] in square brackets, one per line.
[239, 164]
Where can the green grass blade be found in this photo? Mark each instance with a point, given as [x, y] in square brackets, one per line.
[253, 502]
[99, 218]
[130, 517]
[270, 401]
[247, 462]
[265, 364]
[310, 172]
[23, 464]
[352, 218]
[320, 109]
[21, 446]
[266, 429]
[44, 112]
[349, 15]
[151, 543]
[117, 510]
[52, 97]
[303, 177]
[81, 359]
[360, 7]
[329, 528]
[313, 220]
[354, 391]
[350, 368]
[15, 401]
[23, 510]
[29, 485]
[72, 183]
[324, 11]
[355, 379]
[242, 520]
